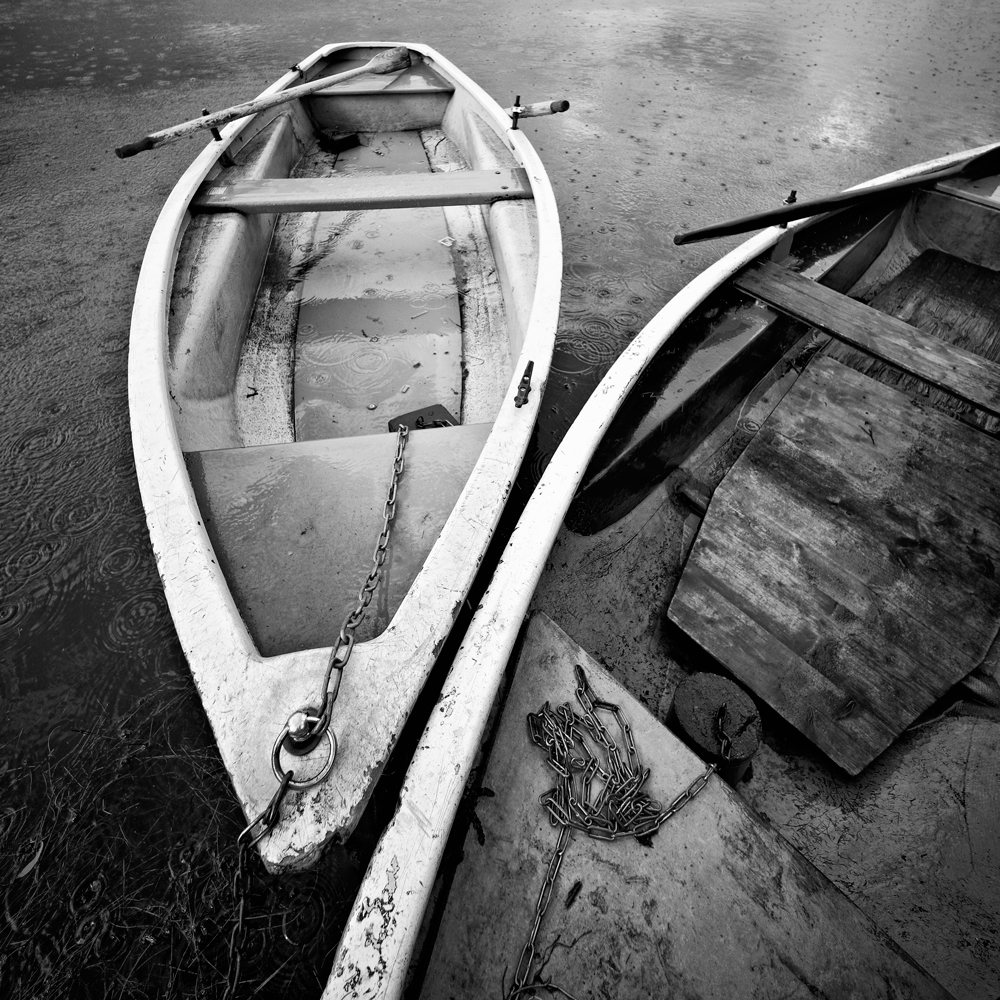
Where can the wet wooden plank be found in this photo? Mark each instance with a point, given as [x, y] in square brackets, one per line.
[955, 300]
[683, 394]
[361, 192]
[846, 569]
[717, 905]
[962, 372]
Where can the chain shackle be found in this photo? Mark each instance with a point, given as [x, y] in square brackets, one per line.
[303, 784]
[307, 727]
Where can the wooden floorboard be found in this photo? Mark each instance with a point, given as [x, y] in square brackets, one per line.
[856, 535]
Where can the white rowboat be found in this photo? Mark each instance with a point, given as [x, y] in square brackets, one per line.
[381, 248]
[378, 945]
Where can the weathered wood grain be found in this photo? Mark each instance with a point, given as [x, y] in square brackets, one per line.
[363, 192]
[717, 906]
[955, 300]
[683, 394]
[944, 365]
[846, 569]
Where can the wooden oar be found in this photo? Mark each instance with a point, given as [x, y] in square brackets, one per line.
[979, 166]
[387, 61]
[533, 110]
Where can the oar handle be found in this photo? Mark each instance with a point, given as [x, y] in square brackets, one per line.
[131, 148]
[540, 108]
[387, 61]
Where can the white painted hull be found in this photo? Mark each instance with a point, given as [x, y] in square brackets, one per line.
[381, 934]
[248, 696]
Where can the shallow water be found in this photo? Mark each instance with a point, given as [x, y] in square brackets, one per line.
[682, 114]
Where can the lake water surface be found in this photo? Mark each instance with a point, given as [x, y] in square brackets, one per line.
[682, 113]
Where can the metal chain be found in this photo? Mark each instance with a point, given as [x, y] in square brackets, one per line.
[245, 842]
[620, 809]
[345, 639]
[528, 953]
[306, 727]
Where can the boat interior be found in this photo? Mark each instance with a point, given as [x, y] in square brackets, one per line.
[801, 494]
[362, 257]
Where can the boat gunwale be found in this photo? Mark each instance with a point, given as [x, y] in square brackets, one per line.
[192, 578]
[411, 849]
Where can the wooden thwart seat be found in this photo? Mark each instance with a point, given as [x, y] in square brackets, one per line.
[365, 191]
[958, 371]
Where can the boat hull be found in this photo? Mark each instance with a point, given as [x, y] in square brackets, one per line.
[242, 491]
[609, 589]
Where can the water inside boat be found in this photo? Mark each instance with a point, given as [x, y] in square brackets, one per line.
[359, 319]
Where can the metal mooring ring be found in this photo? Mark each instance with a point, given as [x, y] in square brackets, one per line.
[301, 786]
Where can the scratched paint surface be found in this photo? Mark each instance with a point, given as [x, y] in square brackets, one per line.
[682, 113]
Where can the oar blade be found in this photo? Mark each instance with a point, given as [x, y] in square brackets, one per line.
[982, 165]
[389, 60]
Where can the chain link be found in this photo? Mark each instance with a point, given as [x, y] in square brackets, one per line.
[310, 725]
[345, 639]
[315, 722]
[528, 953]
[620, 809]
[245, 842]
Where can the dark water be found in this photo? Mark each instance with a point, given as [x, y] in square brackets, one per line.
[682, 113]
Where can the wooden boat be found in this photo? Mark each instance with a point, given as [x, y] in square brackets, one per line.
[779, 504]
[369, 248]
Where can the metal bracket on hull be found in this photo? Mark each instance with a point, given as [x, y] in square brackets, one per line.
[434, 415]
[524, 386]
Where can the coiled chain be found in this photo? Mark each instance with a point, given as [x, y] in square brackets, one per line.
[620, 809]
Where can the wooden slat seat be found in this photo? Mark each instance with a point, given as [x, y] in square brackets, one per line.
[944, 365]
[365, 191]
[294, 525]
[374, 85]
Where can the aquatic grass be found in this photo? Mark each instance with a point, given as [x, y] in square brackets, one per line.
[117, 858]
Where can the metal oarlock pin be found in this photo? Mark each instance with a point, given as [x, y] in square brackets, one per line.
[516, 112]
